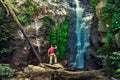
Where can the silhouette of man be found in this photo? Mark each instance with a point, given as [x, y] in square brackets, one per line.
[51, 53]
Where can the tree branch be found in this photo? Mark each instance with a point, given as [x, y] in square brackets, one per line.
[5, 7]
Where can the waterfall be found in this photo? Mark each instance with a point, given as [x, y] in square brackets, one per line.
[79, 35]
[37, 26]
[79, 60]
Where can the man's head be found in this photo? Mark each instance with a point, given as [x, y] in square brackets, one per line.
[51, 45]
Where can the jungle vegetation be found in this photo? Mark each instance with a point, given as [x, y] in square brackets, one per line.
[111, 56]
[110, 15]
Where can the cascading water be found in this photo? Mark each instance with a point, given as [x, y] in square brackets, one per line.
[78, 43]
[37, 26]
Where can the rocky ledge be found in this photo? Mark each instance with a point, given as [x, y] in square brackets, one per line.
[55, 72]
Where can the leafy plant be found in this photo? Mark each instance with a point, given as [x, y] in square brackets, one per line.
[107, 47]
[111, 63]
[49, 20]
[118, 70]
[6, 70]
[22, 18]
[6, 50]
[5, 37]
[109, 39]
[29, 8]
[62, 38]
[94, 3]
[110, 15]
[10, 3]
[115, 26]
[118, 73]
[5, 33]
[52, 35]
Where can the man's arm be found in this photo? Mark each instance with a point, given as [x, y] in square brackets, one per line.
[55, 47]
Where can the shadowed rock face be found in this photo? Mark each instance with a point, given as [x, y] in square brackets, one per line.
[23, 55]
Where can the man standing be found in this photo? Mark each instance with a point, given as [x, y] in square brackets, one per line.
[51, 53]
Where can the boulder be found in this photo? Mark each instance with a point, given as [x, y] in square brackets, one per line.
[54, 66]
[33, 69]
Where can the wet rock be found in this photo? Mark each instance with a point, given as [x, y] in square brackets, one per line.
[54, 66]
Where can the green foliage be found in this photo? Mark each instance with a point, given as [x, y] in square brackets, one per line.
[5, 32]
[118, 73]
[5, 37]
[6, 50]
[109, 39]
[118, 70]
[59, 37]
[11, 5]
[49, 20]
[29, 8]
[107, 47]
[115, 26]
[115, 2]
[22, 19]
[94, 3]
[106, 14]
[110, 15]
[111, 63]
[6, 70]
[62, 38]
[52, 35]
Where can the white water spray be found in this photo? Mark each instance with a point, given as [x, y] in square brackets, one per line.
[82, 29]
[37, 34]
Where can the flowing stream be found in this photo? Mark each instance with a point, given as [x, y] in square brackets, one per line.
[79, 36]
